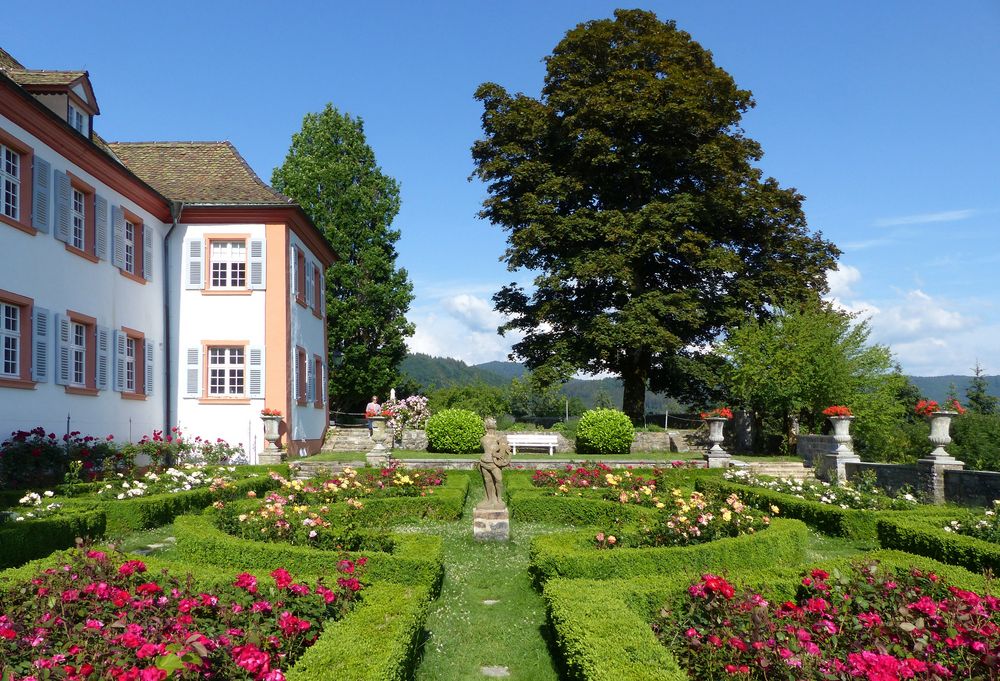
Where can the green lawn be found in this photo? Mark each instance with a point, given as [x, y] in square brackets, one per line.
[561, 456]
[464, 633]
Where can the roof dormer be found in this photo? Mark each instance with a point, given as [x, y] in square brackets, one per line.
[68, 93]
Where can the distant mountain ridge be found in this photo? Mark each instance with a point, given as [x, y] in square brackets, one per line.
[443, 372]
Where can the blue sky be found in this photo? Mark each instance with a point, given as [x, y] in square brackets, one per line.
[884, 115]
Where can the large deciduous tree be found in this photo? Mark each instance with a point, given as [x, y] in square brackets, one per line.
[629, 189]
[331, 172]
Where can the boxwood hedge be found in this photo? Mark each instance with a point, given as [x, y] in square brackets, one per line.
[416, 559]
[827, 518]
[573, 554]
[601, 628]
[925, 536]
[30, 539]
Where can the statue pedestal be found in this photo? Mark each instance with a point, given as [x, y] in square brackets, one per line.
[491, 524]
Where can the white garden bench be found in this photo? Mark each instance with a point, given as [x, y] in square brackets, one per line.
[532, 440]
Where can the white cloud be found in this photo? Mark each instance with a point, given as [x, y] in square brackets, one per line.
[842, 279]
[459, 325]
[925, 218]
[476, 313]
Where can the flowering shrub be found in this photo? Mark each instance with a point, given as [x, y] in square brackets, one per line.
[986, 527]
[37, 458]
[589, 476]
[411, 412]
[100, 617]
[837, 410]
[718, 412]
[843, 495]
[38, 506]
[868, 624]
[954, 405]
[697, 519]
[270, 412]
[172, 480]
[926, 407]
[388, 481]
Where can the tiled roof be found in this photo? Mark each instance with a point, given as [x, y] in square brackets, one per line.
[7, 61]
[197, 172]
[33, 77]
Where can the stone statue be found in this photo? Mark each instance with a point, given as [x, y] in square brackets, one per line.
[496, 457]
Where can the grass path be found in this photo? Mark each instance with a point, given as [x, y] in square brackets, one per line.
[465, 634]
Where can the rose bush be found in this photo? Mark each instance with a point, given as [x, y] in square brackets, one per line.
[101, 617]
[869, 624]
[843, 495]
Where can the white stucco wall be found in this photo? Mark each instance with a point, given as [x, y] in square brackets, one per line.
[202, 317]
[41, 268]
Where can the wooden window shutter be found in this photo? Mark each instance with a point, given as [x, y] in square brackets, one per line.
[41, 188]
[256, 371]
[117, 237]
[309, 285]
[319, 289]
[103, 374]
[118, 362]
[101, 227]
[310, 381]
[62, 349]
[257, 270]
[192, 387]
[293, 270]
[195, 255]
[40, 344]
[147, 253]
[64, 195]
[147, 356]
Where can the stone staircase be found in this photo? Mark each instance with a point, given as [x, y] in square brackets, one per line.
[781, 469]
[347, 439]
[303, 470]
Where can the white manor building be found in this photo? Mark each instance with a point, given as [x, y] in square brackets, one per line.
[149, 285]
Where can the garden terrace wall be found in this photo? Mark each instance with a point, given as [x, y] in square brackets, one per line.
[143, 513]
[668, 441]
[573, 554]
[926, 537]
[415, 560]
[827, 518]
[812, 447]
[378, 640]
[601, 629]
[23, 541]
[890, 477]
[978, 488]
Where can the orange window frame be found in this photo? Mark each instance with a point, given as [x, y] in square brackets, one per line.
[137, 247]
[27, 158]
[206, 347]
[207, 288]
[140, 365]
[89, 250]
[26, 306]
[90, 370]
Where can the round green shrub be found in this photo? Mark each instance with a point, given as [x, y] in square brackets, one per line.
[605, 432]
[455, 431]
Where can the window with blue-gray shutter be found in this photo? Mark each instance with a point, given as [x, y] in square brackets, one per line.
[118, 344]
[309, 285]
[293, 271]
[41, 189]
[147, 253]
[118, 237]
[64, 197]
[62, 349]
[192, 384]
[256, 371]
[257, 264]
[194, 253]
[147, 356]
[40, 344]
[101, 227]
[103, 358]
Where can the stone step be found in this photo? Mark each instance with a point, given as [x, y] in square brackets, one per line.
[781, 469]
[341, 439]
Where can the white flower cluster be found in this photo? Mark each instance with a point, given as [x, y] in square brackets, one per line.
[33, 500]
[843, 494]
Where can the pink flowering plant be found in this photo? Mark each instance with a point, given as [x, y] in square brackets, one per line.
[98, 616]
[39, 458]
[600, 476]
[350, 483]
[870, 623]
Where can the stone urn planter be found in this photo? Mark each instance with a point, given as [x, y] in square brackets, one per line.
[833, 466]
[716, 456]
[378, 455]
[272, 453]
[941, 434]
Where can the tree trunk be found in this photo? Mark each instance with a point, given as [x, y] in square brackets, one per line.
[634, 397]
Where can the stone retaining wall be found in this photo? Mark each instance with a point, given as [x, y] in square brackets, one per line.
[672, 441]
[812, 447]
[891, 477]
[972, 487]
